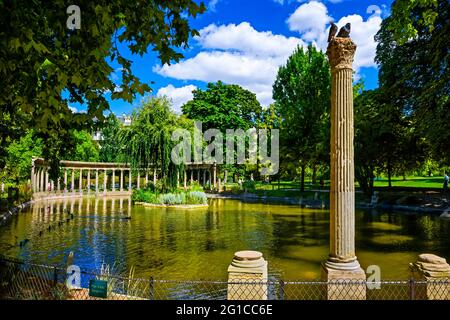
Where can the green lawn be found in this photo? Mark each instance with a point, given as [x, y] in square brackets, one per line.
[417, 182]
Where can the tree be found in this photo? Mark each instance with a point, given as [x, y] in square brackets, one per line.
[367, 138]
[19, 155]
[109, 144]
[415, 72]
[147, 141]
[86, 148]
[302, 94]
[224, 106]
[44, 66]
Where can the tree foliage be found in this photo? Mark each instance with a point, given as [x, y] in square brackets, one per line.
[109, 144]
[302, 94]
[44, 66]
[415, 74]
[147, 141]
[223, 106]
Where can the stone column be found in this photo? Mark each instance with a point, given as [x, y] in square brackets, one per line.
[215, 176]
[185, 180]
[42, 184]
[178, 178]
[96, 180]
[89, 181]
[154, 176]
[433, 274]
[146, 177]
[58, 186]
[65, 180]
[138, 182]
[73, 181]
[342, 263]
[105, 182]
[204, 177]
[192, 176]
[129, 180]
[246, 268]
[46, 179]
[198, 176]
[80, 183]
[33, 180]
[113, 180]
[121, 180]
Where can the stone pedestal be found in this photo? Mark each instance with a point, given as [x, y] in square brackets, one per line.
[343, 282]
[346, 279]
[246, 268]
[432, 274]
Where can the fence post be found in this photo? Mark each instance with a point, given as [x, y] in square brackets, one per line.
[412, 288]
[247, 277]
[55, 276]
[431, 271]
[152, 289]
[281, 289]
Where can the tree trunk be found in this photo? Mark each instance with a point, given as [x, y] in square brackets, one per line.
[314, 174]
[389, 169]
[302, 187]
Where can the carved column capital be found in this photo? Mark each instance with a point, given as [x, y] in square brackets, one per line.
[341, 52]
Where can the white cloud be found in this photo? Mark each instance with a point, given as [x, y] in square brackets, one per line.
[178, 96]
[236, 54]
[311, 21]
[212, 5]
[244, 38]
[73, 109]
[239, 54]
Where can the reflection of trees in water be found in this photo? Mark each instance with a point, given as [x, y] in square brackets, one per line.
[307, 230]
[402, 232]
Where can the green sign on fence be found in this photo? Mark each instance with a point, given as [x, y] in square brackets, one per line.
[98, 288]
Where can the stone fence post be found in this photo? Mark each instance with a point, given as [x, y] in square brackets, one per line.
[435, 272]
[246, 268]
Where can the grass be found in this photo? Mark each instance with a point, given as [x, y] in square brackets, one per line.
[281, 187]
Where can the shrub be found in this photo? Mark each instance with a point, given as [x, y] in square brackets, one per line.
[170, 198]
[249, 185]
[196, 197]
[195, 186]
[235, 189]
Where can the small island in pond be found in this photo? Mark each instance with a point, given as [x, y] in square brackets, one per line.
[155, 197]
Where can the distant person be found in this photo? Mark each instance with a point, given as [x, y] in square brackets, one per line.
[445, 181]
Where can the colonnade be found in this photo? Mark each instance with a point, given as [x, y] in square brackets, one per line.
[81, 177]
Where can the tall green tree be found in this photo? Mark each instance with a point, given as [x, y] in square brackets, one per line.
[86, 149]
[109, 144]
[302, 94]
[414, 71]
[44, 65]
[224, 106]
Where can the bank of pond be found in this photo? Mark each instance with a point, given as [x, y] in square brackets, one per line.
[181, 243]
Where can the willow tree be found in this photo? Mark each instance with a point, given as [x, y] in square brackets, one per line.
[147, 141]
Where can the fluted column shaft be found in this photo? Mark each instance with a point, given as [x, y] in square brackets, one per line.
[342, 193]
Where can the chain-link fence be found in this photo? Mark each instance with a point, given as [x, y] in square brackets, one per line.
[22, 280]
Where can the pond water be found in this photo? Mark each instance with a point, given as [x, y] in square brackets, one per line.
[199, 244]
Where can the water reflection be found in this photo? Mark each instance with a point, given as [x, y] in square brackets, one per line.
[199, 244]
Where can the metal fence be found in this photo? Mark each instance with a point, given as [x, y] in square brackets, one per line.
[22, 280]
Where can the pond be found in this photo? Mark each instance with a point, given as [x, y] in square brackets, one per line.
[199, 244]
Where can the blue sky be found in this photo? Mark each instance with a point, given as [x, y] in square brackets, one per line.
[245, 41]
